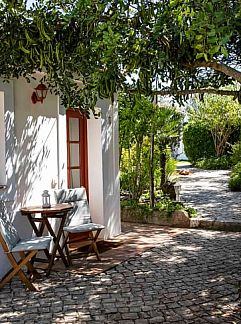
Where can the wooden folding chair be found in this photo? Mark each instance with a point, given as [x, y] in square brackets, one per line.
[80, 228]
[26, 249]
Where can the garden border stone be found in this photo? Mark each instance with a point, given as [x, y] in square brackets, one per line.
[179, 218]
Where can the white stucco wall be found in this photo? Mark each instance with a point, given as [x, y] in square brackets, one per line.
[36, 157]
[95, 170]
[8, 161]
[2, 141]
[110, 160]
[37, 144]
[104, 168]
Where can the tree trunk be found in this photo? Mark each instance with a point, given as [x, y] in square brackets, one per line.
[220, 139]
[121, 148]
[136, 187]
[152, 193]
[163, 162]
[130, 180]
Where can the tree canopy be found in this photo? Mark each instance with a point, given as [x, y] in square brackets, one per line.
[171, 47]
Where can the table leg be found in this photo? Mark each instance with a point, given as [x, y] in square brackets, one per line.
[32, 220]
[56, 240]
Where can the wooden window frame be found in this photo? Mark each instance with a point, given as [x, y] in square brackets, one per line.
[83, 148]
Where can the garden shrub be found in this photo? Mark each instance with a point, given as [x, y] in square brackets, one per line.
[164, 204]
[236, 153]
[235, 183]
[235, 136]
[128, 174]
[236, 168]
[235, 178]
[198, 142]
[214, 163]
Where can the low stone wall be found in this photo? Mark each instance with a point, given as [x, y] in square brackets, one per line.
[178, 218]
[217, 225]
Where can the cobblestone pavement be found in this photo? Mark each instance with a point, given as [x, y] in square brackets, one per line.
[208, 193]
[192, 276]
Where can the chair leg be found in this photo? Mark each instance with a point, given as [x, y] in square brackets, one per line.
[30, 267]
[21, 274]
[17, 270]
[65, 245]
[93, 245]
[26, 281]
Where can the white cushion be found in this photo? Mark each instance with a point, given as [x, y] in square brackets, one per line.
[83, 228]
[35, 243]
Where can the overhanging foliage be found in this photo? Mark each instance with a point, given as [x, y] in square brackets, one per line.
[188, 44]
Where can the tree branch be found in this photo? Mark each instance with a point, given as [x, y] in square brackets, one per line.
[233, 93]
[220, 67]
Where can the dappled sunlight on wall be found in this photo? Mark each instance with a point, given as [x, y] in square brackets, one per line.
[111, 173]
[31, 152]
[10, 155]
[36, 143]
[108, 133]
[34, 168]
[107, 127]
[2, 142]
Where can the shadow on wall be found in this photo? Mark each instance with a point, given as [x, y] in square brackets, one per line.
[111, 174]
[10, 157]
[31, 161]
[27, 160]
[33, 153]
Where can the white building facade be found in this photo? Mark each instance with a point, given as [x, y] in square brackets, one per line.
[38, 151]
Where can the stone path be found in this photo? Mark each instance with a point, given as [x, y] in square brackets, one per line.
[190, 276]
[169, 275]
[208, 193]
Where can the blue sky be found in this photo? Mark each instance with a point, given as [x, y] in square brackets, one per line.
[29, 2]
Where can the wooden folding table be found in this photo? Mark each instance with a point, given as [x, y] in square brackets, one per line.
[59, 211]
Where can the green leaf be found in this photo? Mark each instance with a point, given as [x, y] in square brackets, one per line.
[214, 50]
[212, 33]
[199, 37]
[199, 55]
[199, 47]
[224, 51]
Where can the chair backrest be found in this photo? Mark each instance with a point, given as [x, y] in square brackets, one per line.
[8, 234]
[77, 197]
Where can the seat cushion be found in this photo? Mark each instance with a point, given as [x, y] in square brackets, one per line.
[9, 234]
[35, 243]
[83, 228]
[80, 214]
[70, 195]
[7, 229]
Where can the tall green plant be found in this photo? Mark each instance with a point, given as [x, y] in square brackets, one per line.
[166, 121]
[146, 131]
[134, 121]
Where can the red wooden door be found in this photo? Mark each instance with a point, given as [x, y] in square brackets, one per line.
[77, 164]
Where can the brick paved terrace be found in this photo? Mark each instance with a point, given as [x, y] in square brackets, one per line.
[170, 276]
